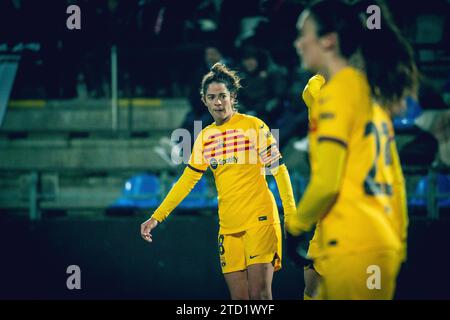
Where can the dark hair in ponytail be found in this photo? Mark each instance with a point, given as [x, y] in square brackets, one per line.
[221, 74]
[387, 57]
[389, 61]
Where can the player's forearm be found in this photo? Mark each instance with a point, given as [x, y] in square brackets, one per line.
[283, 180]
[316, 201]
[323, 188]
[179, 191]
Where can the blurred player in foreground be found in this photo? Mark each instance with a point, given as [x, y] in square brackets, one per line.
[356, 195]
[239, 149]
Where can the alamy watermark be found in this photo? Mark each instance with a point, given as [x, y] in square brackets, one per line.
[73, 22]
[374, 280]
[374, 20]
[74, 280]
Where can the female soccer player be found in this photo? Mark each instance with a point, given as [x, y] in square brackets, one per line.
[239, 149]
[356, 194]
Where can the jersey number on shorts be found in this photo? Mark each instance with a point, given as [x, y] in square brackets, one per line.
[371, 187]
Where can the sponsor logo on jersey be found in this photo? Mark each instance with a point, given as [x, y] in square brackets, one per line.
[213, 163]
[232, 159]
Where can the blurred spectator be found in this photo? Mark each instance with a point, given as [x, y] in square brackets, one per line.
[204, 23]
[264, 85]
[266, 29]
[293, 122]
[437, 123]
[433, 122]
[430, 135]
[198, 111]
[211, 55]
[231, 14]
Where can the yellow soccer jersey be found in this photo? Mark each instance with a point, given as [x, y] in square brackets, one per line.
[392, 174]
[361, 218]
[238, 153]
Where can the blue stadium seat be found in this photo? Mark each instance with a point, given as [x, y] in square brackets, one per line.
[443, 187]
[141, 191]
[406, 121]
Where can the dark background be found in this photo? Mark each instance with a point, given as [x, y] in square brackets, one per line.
[182, 263]
[57, 141]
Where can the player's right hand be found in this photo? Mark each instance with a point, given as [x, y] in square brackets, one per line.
[147, 227]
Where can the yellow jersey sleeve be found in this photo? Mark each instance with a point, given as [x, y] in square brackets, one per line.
[267, 147]
[197, 161]
[322, 190]
[283, 180]
[312, 90]
[335, 116]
